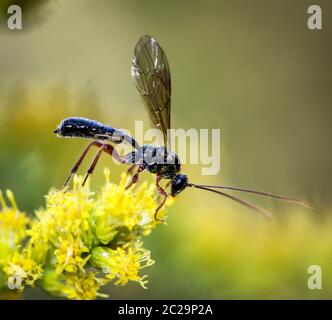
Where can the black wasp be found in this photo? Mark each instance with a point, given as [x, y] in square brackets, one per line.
[151, 73]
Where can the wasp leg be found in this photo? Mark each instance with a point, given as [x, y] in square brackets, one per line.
[79, 162]
[112, 152]
[134, 178]
[131, 169]
[93, 164]
[103, 148]
[162, 192]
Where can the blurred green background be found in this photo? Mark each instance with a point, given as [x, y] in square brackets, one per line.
[251, 68]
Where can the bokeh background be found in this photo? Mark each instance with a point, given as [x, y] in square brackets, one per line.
[251, 68]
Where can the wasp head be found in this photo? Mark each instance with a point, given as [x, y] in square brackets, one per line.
[179, 183]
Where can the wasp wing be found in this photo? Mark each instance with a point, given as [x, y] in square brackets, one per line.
[151, 74]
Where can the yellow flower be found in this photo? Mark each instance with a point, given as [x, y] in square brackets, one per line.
[21, 271]
[69, 212]
[133, 208]
[69, 255]
[13, 223]
[64, 228]
[76, 231]
[78, 286]
[123, 263]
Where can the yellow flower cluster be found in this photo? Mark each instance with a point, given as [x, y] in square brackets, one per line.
[123, 263]
[13, 224]
[17, 269]
[81, 240]
[21, 271]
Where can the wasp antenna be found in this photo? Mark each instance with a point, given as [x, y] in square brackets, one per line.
[261, 193]
[245, 203]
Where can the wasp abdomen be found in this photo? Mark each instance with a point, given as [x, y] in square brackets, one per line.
[85, 128]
